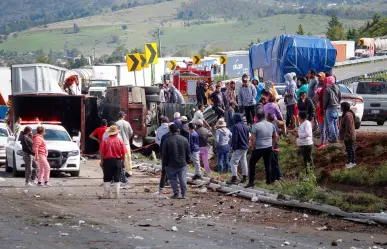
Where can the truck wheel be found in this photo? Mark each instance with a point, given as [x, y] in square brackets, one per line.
[380, 122]
[7, 168]
[75, 173]
[152, 98]
[149, 90]
[357, 125]
[15, 173]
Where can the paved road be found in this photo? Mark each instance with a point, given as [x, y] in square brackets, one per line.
[349, 72]
[69, 215]
[373, 127]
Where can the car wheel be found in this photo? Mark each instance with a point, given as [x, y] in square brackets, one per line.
[75, 173]
[7, 168]
[151, 90]
[15, 173]
[357, 125]
[380, 122]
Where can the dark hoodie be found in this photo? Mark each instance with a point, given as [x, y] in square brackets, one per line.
[240, 134]
[27, 145]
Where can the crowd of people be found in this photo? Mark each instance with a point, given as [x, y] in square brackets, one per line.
[251, 118]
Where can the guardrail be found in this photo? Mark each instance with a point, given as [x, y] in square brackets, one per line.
[357, 78]
[372, 59]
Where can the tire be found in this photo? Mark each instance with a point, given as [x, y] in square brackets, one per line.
[75, 173]
[152, 98]
[15, 173]
[151, 90]
[380, 122]
[357, 125]
[7, 169]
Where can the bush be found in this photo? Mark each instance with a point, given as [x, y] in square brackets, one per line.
[367, 176]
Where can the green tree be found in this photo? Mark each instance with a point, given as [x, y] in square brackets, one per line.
[300, 30]
[335, 29]
[44, 59]
[136, 50]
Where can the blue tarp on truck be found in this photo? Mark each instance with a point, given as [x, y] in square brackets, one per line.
[291, 53]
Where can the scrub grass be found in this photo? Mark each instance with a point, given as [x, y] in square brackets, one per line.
[365, 176]
[307, 191]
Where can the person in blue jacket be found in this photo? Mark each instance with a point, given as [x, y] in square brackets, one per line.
[260, 86]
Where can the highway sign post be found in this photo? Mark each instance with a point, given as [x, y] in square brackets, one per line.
[223, 61]
[144, 64]
[151, 53]
[133, 62]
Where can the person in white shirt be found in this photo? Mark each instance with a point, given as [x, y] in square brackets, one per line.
[305, 142]
[200, 116]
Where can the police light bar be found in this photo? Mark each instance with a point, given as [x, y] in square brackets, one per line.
[41, 122]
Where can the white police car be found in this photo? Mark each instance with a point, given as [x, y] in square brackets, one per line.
[63, 152]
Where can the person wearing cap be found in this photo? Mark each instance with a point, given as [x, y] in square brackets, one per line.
[290, 98]
[204, 134]
[177, 121]
[239, 146]
[41, 153]
[31, 167]
[126, 132]
[97, 134]
[199, 115]
[175, 158]
[162, 130]
[222, 141]
[332, 100]
[263, 138]
[246, 98]
[113, 151]
[185, 127]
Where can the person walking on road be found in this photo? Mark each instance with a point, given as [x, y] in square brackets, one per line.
[176, 156]
[290, 99]
[126, 132]
[263, 138]
[204, 134]
[246, 99]
[305, 142]
[97, 134]
[332, 99]
[195, 150]
[113, 151]
[163, 177]
[41, 153]
[31, 166]
[348, 133]
[222, 140]
[239, 146]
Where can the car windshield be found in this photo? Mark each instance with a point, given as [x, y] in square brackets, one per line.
[52, 135]
[344, 89]
[372, 88]
[3, 132]
[99, 83]
[280, 90]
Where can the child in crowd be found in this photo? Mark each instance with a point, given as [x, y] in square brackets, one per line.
[305, 142]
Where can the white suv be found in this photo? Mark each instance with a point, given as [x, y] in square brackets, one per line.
[63, 153]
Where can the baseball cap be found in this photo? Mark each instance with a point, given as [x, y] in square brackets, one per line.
[121, 114]
[184, 118]
[321, 74]
[199, 122]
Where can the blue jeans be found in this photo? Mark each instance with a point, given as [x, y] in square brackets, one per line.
[221, 158]
[331, 116]
[174, 173]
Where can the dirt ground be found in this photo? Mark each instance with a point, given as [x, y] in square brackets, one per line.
[70, 215]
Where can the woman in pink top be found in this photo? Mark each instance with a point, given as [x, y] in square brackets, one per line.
[41, 153]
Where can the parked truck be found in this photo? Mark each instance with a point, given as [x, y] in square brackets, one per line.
[291, 53]
[371, 46]
[35, 93]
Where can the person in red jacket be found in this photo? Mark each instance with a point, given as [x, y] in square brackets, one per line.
[69, 82]
[41, 153]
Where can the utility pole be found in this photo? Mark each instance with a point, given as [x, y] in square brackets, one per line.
[158, 35]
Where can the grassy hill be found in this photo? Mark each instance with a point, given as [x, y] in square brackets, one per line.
[103, 33]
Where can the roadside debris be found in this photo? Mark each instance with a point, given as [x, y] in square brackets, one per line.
[174, 229]
[322, 228]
